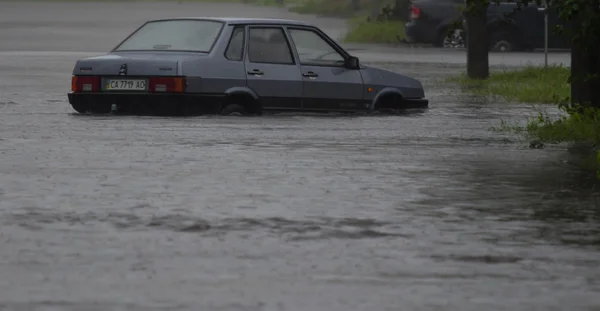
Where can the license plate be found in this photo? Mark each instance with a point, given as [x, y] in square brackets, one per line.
[126, 85]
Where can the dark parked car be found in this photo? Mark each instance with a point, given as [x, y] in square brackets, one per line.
[512, 30]
[235, 66]
[435, 22]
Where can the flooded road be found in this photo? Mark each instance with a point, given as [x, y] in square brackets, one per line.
[423, 211]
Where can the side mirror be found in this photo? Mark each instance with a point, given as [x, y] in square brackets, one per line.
[352, 62]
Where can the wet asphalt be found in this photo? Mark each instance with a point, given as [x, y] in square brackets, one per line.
[427, 210]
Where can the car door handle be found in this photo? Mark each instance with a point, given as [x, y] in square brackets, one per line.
[310, 74]
[256, 72]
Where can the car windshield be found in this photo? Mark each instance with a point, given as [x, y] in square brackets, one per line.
[177, 35]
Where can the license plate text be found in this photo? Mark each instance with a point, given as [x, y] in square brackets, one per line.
[126, 85]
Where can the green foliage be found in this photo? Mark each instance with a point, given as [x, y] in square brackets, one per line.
[363, 31]
[531, 84]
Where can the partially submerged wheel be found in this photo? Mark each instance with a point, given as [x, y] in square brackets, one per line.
[233, 110]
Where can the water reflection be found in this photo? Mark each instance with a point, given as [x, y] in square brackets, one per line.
[553, 201]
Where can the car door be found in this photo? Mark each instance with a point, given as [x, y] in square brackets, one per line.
[271, 70]
[327, 84]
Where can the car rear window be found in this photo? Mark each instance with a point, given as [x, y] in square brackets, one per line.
[173, 35]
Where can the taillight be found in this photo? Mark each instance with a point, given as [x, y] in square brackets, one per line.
[167, 84]
[415, 12]
[85, 84]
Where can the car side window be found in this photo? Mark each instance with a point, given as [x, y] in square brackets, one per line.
[314, 50]
[235, 48]
[269, 45]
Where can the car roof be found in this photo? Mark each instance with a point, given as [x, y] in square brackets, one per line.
[241, 20]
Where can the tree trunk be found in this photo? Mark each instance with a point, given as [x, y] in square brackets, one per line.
[477, 46]
[585, 67]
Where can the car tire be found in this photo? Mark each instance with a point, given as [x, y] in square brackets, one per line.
[502, 42]
[233, 110]
[456, 39]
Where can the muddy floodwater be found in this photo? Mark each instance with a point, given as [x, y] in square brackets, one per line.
[427, 210]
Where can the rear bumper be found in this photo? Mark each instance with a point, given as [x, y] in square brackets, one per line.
[169, 103]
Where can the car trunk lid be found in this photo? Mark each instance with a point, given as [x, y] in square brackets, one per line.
[131, 64]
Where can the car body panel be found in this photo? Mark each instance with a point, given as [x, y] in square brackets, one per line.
[139, 64]
[228, 71]
[326, 83]
[380, 79]
[278, 85]
[330, 88]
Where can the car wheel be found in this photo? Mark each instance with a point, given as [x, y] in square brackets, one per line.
[233, 110]
[454, 40]
[502, 42]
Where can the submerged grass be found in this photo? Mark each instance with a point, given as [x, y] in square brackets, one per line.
[363, 31]
[531, 84]
[580, 126]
